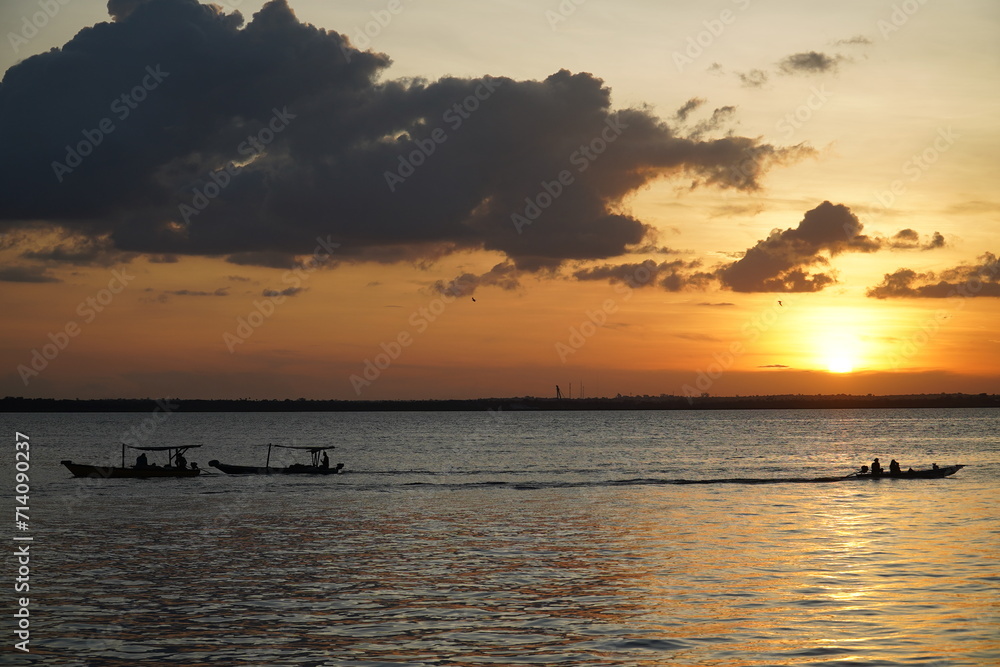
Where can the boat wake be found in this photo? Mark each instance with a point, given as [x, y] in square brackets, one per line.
[639, 481]
[645, 481]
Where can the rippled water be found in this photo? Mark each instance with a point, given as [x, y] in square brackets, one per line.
[520, 538]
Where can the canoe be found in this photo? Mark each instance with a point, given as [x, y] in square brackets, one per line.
[295, 469]
[84, 470]
[930, 473]
[316, 467]
[176, 465]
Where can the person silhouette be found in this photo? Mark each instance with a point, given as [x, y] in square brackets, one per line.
[876, 468]
[894, 467]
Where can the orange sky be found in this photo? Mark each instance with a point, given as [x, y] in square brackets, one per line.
[756, 288]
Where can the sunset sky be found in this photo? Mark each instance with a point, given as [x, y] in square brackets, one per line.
[433, 199]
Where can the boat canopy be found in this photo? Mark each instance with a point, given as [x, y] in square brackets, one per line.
[173, 452]
[162, 449]
[305, 447]
[314, 451]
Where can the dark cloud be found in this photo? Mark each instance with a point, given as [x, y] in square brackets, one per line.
[222, 291]
[76, 249]
[810, 62]
[857, 40]
[26, 274]
[965, 280]
[908, 239]
[782, 261]
[719, 119]
[204, 137]
[672, 276]
[755, 78]
[164, 259]
[288, 291]
[273, 260]
[504, 275]
[688, 107]
[120, 9]
[779, 262]
[654, 249]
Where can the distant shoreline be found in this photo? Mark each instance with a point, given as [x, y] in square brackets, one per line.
[785, 402]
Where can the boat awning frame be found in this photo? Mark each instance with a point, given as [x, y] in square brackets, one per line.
[305, 447]
[161, 449]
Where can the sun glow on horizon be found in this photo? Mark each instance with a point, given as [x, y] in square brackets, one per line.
[841, 353]
[843, 350]
[840, 362]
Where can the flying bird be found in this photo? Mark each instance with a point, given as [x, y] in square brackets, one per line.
[779, 303]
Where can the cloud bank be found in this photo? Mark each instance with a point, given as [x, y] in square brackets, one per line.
[177, 130]
[785, 261]
[965, 280]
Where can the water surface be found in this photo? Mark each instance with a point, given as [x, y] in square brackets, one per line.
[520, 538]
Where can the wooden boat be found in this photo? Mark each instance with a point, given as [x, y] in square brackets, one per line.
[929, 473]
[176, 465]
[316, 467]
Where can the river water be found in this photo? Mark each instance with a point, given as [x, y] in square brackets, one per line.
[514, 538]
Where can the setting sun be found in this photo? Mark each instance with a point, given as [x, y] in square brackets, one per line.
[840, 363]
[841, 348]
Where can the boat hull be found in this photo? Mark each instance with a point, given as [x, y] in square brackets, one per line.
[83, 470]
[934, 473]
[296, 469]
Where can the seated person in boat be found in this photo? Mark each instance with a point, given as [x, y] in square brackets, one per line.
[180, 461]
[326, 461]
[864, 470]
[876, 467]
[894, 467]
[141, 461]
